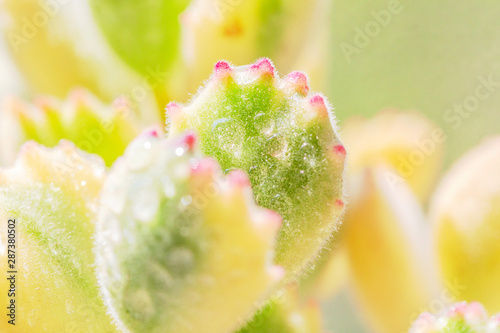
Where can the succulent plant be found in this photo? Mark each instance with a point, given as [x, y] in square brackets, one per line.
[290, 32]
[177, 246]
[56, 47]
[405, 141]
[180, 248]
[82, 119]
[465, 216]
[391, 271]
[52, 194]
[151, 26]
[285, 313]
[174, 43]
[285, 138]
[459, 318]
[330, 273]
[385, 187]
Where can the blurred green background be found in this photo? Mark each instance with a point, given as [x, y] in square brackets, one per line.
[440, 57]
[430, 57]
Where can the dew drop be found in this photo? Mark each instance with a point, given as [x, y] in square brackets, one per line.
[259, 120]
[160, 274]
[139, 157]
[145, 199]
[186, 200]
[225, 128]
[167, 186]
[179, 151]
[253, 170]
[114, 193]
[277, 146]
[308, 149]
[113, 229]
[139, 304]
[180, 171]
[226, 171]
[180, 259]
[222, 125]
[281, 203]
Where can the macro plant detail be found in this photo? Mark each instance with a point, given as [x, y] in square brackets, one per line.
[174, 239]
[166, 211]
[459, 318]
[175, 43]
[285, 138]
[54, 193]
[150, 183]
[466, 222]
[385, 214]
[81, 118]
[286, 313]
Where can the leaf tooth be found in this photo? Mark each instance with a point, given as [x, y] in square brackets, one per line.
[317, 103]
[223, 72]
[268, 223]
[297, 82]
[263, 69]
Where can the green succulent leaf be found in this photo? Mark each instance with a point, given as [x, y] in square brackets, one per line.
[145, 34]
[81, 118]
[181, 249]
[52, 194]
[285, 139]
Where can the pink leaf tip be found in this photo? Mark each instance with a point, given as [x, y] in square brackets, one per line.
[153, 131]
[223, 70]
[274, 218]
[298, 82]
[172, 107]
[189, 140]
[239, 179]
[205, 167]
[263, 68]
[340, 150]
[276, 272]
[318, 104]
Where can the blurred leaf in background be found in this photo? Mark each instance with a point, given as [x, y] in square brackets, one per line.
[465, 215]
[56, 48]
[439, 57]
[434, 56]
